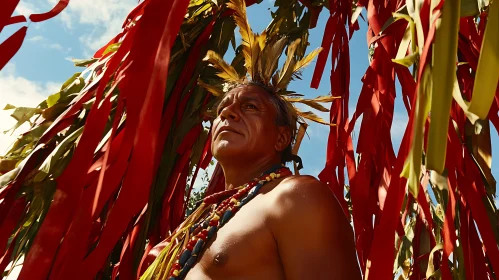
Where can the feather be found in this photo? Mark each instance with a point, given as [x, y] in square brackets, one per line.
[261, 39]
[293, 99]
[270, 58]
[216, 91]
[314, 105]
[325, 98]
[275, 80]
[248, 39]
[287, 69]
[253, 67]
[228, 72]
[304, 62]
[313, 117]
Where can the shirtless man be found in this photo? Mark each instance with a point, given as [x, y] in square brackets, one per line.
[294, 228]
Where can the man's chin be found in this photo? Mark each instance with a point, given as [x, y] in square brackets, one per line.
[227, 150]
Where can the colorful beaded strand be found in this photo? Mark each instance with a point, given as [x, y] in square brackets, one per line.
[204, 230]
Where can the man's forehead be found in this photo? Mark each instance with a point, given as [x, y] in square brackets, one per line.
[248, 92]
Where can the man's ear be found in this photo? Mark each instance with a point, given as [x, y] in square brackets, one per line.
[283, 138]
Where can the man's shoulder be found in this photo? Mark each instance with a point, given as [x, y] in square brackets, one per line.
[302, 187]
[305, 196]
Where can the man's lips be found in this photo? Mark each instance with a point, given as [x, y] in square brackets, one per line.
[226, 128]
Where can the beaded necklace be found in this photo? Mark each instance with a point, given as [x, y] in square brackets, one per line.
[179, 256]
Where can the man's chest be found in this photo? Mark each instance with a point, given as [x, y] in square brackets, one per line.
[240, 247]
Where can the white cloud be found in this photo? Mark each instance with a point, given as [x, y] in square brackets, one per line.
[46, 43]
[18, 91]
[99, 36]
[55, 46]
[37, 38]
[105, 18]
[24, 8]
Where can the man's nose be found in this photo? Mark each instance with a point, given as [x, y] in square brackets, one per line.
[230, 112]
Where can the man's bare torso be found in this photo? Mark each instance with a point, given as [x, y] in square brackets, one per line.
[245, 247]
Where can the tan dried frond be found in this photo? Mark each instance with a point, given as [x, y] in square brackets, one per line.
[228, 72]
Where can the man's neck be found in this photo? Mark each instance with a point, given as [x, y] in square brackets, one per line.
[238, 174]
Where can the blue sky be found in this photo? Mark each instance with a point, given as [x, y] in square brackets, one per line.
[43, 63]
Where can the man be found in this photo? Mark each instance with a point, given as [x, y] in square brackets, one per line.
[267, 224]
[294, 228]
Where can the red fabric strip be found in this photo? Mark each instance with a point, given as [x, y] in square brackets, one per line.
[14, 20]
[41, 255]
[326, 46]
[61, 5]
[12, 219]
[9, 47]
[8, 7]
[156, 34]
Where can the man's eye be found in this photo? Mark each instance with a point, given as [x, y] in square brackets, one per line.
[250, 106]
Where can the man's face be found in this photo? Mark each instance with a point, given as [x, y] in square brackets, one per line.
[245, 126]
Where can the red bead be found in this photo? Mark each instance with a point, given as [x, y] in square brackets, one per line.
[176, 266]
[191, 244]
[196, 231]
[213, 223]
[204, 232]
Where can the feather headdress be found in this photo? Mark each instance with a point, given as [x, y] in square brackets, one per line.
[261, 54]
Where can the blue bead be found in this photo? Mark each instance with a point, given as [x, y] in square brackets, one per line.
[188, 265]
[193, 227]
[198, 247]
[227, 215]
[191, 262]
[172, 278]
[250, 196]
[212, 232]
[183, 273]
[205, 224]
[244, 200]
[184, 257]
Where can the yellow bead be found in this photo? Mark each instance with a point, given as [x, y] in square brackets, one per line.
[278, 175]
[216, 217]
[175, 273]
[233, 200]
[272, 175]
[267, 178]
